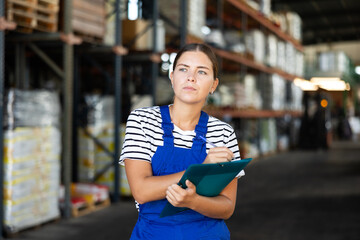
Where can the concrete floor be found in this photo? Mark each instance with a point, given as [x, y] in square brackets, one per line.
[293, 195]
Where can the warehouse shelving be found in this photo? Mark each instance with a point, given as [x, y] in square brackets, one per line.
[253, 113]
[70, 80]
[252, 64]
[242, 6]
[243, 17]
[66, 40]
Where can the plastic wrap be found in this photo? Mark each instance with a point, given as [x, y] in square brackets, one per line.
[255, 44]
[196, 16]
[294, 24]
[31, 108]
[32, 151]
[290, 56]
[271, 50]
[273, 91]
[281, 57]
[92, 158]
[333, 61]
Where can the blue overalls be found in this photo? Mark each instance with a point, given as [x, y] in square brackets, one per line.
[167, 160]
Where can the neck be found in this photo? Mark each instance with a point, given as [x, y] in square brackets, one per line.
[185, 116]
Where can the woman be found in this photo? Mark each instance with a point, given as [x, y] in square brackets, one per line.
[161, 142]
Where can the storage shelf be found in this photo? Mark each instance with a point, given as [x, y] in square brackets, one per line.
[249, 113]
[265, 22]
[252, 64]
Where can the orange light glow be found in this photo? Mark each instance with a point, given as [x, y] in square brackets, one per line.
[324, 103]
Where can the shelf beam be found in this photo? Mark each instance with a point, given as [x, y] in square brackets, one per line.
[252, 64]
[250, 113]
[242, 6]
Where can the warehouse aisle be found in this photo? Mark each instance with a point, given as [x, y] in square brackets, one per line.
[293, 195]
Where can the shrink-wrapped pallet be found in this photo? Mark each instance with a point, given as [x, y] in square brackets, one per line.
[290, 56]
[273, 92]
[333, 61]
[271, 50]
[268, 136]
[32, 149]
[294, 25]
[93, 158]
[281, 55]
[300, 64]
[196, 16]
[255, 44]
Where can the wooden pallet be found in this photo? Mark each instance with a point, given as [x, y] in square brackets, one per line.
[15, 234]
[87, 208]
[32, 15]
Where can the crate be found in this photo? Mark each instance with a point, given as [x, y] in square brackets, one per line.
[88, 19]
[29, 15]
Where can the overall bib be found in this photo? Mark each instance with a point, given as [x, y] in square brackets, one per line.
[168, 159]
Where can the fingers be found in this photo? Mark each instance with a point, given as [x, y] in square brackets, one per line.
[222, 152]
[189, 184]
[180, 197]
[219, 154]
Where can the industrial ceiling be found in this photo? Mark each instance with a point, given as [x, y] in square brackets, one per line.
[325, 21]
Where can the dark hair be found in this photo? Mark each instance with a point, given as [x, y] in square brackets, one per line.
[194, 47]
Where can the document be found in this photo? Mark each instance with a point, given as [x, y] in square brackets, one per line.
[210, 179]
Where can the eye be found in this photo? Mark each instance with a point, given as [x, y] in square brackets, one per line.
[202, 72]
[182, 69]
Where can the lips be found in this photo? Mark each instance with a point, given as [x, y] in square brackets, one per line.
[189, 88]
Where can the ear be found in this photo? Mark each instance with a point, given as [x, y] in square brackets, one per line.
[214, 85]
[172, 77]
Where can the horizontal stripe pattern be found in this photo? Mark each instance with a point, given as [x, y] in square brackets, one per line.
[144, 134]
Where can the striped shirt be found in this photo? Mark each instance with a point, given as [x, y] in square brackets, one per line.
[144, 134]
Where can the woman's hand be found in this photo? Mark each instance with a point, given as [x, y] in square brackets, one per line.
[219, 154]
[179, 197]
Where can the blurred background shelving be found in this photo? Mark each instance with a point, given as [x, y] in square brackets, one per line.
[73, 70]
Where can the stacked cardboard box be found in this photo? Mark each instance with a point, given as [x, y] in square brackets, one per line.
[138, 34]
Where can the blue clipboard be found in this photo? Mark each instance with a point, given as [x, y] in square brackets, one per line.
[210, 179]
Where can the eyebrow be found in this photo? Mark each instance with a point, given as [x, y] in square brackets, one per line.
[185, 65]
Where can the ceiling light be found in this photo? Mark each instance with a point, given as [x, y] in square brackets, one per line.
[305, 85]
[357, 70]
[331, 84]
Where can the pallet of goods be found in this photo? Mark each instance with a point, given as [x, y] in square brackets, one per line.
[30, 15]
[92, 158]
[86, 198]
[32, 149]
[88, 19]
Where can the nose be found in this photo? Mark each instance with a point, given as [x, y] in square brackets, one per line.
[191, 77]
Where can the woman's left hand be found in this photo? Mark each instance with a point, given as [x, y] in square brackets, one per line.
[179, 197]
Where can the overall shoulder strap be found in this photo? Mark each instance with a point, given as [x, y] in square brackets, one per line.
[200, 130]
[167, 125]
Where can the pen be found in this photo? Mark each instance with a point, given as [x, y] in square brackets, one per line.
[203, 138]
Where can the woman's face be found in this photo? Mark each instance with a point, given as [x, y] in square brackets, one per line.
[193, 77]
